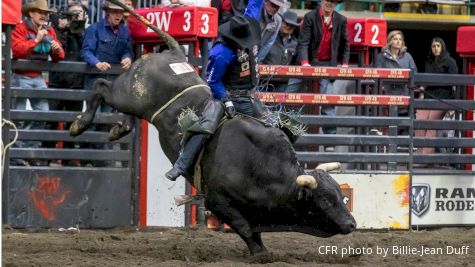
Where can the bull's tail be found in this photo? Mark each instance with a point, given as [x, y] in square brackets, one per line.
[169, 40]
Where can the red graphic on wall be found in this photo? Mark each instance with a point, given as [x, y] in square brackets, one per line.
[47, 196]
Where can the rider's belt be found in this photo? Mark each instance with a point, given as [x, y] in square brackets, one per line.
[240, 93]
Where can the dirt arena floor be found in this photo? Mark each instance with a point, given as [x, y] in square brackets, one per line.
[202, 247]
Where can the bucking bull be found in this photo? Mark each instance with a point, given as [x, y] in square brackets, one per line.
[252, 180]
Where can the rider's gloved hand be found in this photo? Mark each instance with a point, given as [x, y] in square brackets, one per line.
[229, 109]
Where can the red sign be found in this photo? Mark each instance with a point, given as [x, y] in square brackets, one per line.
[183, 23]
[375, 100]
[465, 44]
[332, 72]
[11, 11]
[367, 32]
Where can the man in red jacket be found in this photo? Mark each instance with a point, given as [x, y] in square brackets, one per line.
[33, 39]
[323, 41]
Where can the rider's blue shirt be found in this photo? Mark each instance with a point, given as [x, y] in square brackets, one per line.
[221, 56]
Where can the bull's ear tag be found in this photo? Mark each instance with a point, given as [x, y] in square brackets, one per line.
[181, 68]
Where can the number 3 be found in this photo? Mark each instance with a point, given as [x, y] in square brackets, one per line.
[187, 25]
[205, 19]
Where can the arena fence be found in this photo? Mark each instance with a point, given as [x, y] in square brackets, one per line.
[83, 181]
[373, 136]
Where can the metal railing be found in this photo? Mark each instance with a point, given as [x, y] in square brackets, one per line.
[374, 137]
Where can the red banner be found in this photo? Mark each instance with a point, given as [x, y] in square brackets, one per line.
[183, 23]
[11, 11]
[294, 98]
[333, 72]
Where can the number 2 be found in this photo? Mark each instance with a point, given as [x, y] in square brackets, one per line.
[375, 29]
[358, 28]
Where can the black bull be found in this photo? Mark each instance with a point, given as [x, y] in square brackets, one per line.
[249, 170]
[252, 180]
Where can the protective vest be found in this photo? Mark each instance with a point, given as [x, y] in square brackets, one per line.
[242, 74]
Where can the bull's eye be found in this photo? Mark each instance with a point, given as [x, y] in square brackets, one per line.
[345, 200]
[325, 204]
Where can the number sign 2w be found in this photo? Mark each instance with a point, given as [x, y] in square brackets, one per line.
[367, 32]
[181, 23]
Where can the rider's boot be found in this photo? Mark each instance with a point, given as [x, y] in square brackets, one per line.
[187, 157]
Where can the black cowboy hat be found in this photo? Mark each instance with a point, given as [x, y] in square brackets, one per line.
[290, 18]
[244, 31]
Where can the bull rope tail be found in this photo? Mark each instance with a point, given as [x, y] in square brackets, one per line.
[169, 40]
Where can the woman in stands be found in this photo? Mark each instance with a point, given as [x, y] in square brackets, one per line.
[395, 56]
[438, 61]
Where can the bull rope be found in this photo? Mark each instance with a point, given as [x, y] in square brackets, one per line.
[175, 98]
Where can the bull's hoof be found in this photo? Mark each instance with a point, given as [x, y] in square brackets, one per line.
[114, 133]
[118, 131]
[262, 256]
[259, 251]
[77, 128]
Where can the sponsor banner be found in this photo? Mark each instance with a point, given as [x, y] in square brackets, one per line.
[297, 98]
[443, 199]
[377, 201]
[333, 72]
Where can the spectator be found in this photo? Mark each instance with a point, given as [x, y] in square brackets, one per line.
[228, 9]
[89, 9]
[131, 5]
[33, 39]
[323, 41]
[70, 29]
[284, 49]
[395, 56]
[232, 75]
[438, 61]
[107, 42]
[270, 23]
[71, 35]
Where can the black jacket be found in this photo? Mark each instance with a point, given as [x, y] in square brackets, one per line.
[311, 35]
[72, 43]
[282, 52]
[446, 65]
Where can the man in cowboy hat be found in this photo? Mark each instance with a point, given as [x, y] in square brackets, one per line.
[323, 41]
[270, 23]
[232, 75]
[107, 42]
[284, 49]
[33, 39]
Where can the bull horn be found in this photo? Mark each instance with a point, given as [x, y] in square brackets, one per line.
[307, 181]
[330, 166]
